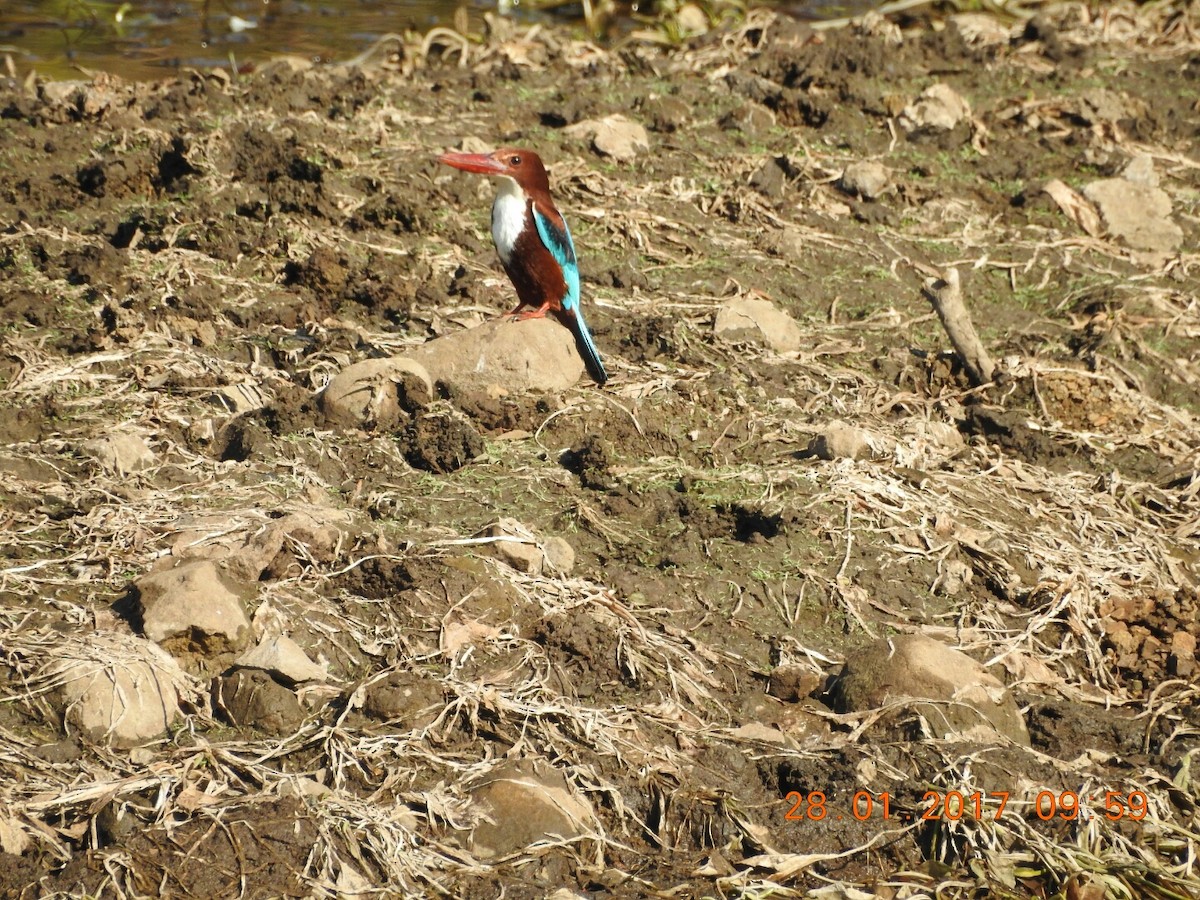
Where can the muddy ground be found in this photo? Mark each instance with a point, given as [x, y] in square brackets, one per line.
[190, 261]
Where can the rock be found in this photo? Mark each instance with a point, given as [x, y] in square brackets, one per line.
[62, 93]
[1134, 209]
[284, 659]
[194, 601]
[955, 696]
[1102, 105]
[792, 683]
[523, 557]
[302, 787]
[768, 719]
[942, 435]
[503, 357]
[252, 698]
[751, 119]
[522, 802]
[770, 180]
[955, 577]
[318, 530]
[14, 840]
[840, 440]
[1182, 661]
[761, 321]
[559, 555]
[980, 29]
[118, 689]
[516, 546]
[922, 443]
[666, 113]
[405, 700]
[938, 108]
[239, 398]
[374, 392]
[614, 136]
[866, 179]
[691, 20]
[1140, 170]
[121, 453]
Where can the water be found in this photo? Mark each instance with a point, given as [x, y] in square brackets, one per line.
[148, 39]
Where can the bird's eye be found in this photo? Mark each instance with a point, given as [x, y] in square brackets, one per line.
[514, 160]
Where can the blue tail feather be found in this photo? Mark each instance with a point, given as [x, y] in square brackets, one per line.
[586, 347]
[556, 236]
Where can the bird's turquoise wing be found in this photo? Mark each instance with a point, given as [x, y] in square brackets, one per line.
[552, 229]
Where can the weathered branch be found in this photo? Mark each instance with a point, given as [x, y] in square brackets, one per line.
[946, 297]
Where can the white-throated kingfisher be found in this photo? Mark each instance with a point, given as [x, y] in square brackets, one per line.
[534, 243]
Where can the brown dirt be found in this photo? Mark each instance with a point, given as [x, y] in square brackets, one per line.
[162, 243]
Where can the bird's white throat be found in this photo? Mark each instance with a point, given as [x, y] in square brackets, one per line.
[508, 217]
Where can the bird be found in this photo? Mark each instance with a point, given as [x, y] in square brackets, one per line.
[534, 243]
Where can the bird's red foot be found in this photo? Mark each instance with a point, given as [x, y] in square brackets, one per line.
[538, 313]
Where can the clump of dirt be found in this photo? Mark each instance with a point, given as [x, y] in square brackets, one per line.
[644, 587]
[439, 442]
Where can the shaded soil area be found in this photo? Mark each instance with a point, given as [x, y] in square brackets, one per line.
[185, 265]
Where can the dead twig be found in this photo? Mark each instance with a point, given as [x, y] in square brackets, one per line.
[946, 297]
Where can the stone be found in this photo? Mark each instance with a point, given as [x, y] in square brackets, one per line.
[1102, 105]
[792, 683]
[1135, 210]
[753, 119]
[866, 179]
[1140, 170]
[956, 576]
[122, 453]
[376, 392]
[503, 356]
[559, 555]
[523, 557]
[14, 840]
[62, 93]
[841, 440]
[981, 29]
[405, 700]
[691, 20]
[760, 321]
[614, 136]
[955, 696]
[302, 787]
[319, 530]
[284, 659]
[941, 435]
[118, 689]
[1181, 662]
[522, 802]
[236, 399]
[515, 545]
[196, 601]
[253, 699]
[765, 718]
[938, 108]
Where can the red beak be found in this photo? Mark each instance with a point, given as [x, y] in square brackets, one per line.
[473, 162]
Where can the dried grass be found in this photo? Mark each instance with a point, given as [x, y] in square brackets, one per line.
[377, 820]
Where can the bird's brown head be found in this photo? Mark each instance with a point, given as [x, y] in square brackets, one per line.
[523, 166]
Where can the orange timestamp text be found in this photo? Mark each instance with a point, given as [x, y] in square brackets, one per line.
[952, 806]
